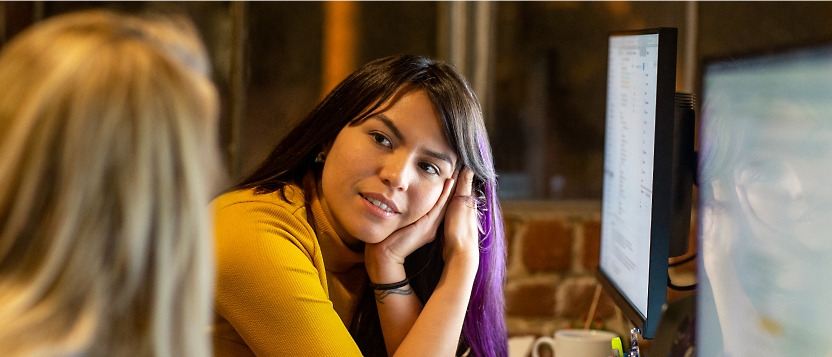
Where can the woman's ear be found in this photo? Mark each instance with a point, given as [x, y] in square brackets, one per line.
[326, 147]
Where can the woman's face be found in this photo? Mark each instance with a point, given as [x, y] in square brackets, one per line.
[782, 178]
[386, 171]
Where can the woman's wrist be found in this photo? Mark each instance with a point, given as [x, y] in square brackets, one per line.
[382, 270]
[467, 259]
[469, 253]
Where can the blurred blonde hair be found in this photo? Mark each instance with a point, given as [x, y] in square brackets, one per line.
[108, 160]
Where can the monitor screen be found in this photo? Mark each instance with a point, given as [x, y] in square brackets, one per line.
[637, 200]
[765, 202]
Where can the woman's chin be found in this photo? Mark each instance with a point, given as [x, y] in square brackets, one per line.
[372, 237]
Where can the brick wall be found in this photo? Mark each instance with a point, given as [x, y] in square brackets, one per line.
[553, 251]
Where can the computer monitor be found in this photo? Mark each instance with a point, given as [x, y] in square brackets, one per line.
[765, 204]
[647, 182]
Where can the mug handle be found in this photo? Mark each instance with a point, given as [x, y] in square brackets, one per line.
[540, 341]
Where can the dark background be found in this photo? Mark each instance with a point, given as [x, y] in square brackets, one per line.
[548, 77]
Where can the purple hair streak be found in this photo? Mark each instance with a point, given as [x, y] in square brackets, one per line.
[484, 329]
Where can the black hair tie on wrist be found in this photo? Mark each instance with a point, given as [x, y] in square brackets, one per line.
[389, 286]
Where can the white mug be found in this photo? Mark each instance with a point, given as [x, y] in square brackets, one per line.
[577, 343]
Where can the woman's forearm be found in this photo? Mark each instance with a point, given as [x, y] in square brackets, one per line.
[397, 308]
[409, 329]
[437, 329]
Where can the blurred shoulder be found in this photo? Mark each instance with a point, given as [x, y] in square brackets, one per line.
[291, 200]
[244, 215]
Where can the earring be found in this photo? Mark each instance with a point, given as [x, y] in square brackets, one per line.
[321, 157]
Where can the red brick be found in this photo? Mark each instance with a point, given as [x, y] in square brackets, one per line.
[510, 227]
[531, 300]
[578, 300]
[592, 245]
[547, 246]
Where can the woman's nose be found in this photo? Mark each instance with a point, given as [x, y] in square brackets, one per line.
[395, 172]
[791, 184]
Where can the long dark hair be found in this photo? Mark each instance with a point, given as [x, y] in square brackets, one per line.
[352, 101]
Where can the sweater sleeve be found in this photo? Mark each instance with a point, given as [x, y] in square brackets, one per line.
[268, 286]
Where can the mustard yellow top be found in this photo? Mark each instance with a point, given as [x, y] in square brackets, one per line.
[286, 284]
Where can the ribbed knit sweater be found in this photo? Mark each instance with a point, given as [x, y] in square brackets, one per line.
[286, 284]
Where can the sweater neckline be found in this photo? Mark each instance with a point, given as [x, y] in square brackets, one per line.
[338, 257]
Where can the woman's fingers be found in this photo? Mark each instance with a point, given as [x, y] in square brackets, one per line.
[461, 219]
[433, 218]
[438, 211]
[464, 188]
[466, 183]
[407, 239]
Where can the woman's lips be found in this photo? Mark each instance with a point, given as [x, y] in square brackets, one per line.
[382, 205]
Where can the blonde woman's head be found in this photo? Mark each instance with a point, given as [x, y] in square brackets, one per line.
[108, 160]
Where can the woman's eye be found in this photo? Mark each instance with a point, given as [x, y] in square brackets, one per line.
[430, 169]
[381, 139]
[761, 176]
[769, 172]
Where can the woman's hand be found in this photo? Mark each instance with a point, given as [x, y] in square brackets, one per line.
[394, 249]
[405, 323]
[458, 211]
[434, 329]
[461, 221]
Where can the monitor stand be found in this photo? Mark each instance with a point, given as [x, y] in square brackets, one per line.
[676, 334]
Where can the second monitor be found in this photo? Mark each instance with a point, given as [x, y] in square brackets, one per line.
[647, 173]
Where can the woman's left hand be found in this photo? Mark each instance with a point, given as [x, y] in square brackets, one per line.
[410, 328]
[462, 221]
[396, 247]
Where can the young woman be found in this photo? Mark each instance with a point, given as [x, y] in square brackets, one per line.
[108, 161]
[373, 228]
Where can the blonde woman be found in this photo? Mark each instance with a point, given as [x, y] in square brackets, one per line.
[107, 162]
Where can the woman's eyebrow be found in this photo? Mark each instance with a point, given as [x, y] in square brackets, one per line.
[389, 123]
[384, 119]
[440, 156]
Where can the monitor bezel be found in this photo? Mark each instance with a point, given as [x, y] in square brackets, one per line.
[726, 58]
[663, 210]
